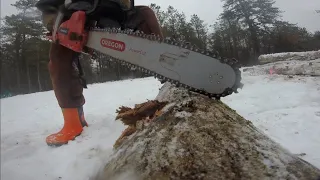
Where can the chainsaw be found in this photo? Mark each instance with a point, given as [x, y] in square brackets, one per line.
[80, 26]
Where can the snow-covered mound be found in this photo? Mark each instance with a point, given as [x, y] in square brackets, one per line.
[287, 56]
[293, 67]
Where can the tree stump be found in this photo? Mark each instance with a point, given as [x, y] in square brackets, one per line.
[198, 138]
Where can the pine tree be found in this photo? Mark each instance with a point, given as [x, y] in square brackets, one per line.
[21, 33]
[201, 31]
[254, 15]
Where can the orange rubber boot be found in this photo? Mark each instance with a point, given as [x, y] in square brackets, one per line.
[73, 126]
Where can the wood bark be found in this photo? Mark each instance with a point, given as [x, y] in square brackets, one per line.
[197, 138]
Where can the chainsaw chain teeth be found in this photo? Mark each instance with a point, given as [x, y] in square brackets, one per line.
[231, 62]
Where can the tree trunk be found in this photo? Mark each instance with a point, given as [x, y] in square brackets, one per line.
[38, 69]
[100, 68]
[225, 45]
[253, 33]
[199, 138]
[25, 59]
[17, 69]
[232, 30]
[28, 75]
[231, 50]
[117, 69]
[17, 63]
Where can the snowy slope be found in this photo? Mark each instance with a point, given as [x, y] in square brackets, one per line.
[292, 67]
[27, 120]
[288, 110]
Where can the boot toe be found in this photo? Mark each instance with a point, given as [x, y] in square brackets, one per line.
[73, 126]
[59, 139]
[55, 140]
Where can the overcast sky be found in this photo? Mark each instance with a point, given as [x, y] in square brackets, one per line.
[296, 11]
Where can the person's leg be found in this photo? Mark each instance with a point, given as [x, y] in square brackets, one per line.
[67, 85]
[69, 93]
[144, 19]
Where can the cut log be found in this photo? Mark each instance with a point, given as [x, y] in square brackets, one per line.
[288, 56]
[200, 138]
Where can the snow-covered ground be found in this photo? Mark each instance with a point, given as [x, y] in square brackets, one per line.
[286, 109]
[27, 120]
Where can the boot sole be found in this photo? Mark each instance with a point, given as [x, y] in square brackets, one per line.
[60, 144]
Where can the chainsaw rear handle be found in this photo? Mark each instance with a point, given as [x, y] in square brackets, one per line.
[92, 12]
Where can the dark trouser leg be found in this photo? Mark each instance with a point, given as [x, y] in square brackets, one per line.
[65, 79]
[68, 90]
[145, 20]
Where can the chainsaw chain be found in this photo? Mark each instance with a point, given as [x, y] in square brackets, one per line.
[231, 62]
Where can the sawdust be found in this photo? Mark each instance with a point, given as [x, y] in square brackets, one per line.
[144, 112]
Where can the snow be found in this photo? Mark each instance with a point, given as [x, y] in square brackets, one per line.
[94, 65]
[27, 120]
[283, 54]
[287, 56]
[292, 67]
[183, 114]
[286, 109]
